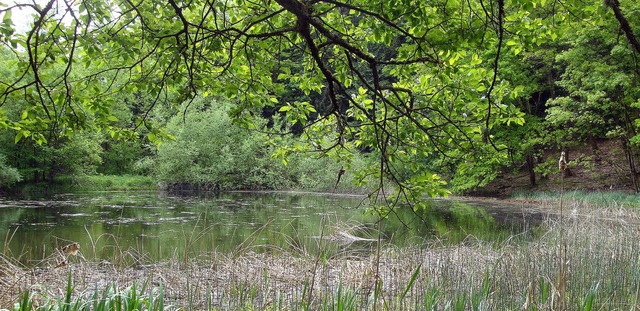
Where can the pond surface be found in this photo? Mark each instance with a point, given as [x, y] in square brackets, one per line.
[150, 226]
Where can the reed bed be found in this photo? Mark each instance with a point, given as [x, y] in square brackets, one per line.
[599, 269]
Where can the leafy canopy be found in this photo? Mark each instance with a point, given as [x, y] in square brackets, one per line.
[418, 83]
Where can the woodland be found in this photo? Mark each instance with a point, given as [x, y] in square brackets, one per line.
[404, 98]
[398, 99]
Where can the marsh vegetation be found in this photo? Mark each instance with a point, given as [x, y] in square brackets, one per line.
[520, 272]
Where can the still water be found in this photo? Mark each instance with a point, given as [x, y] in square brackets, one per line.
[151, 226]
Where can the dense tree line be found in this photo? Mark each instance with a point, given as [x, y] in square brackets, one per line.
[242, 94]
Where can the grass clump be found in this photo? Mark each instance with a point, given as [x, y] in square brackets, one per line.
[605, 199]
[65, 184]
[110, 298]
[108, 183]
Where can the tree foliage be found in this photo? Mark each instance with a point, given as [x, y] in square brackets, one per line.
[8, 175]
[210, 152]
[425, 86]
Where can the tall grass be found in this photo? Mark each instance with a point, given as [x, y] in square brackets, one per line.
[602, 273]
[107, 183]
[64, 184]
[602, 199]
[109, 298]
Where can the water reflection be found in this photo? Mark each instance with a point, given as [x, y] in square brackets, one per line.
[156, 225]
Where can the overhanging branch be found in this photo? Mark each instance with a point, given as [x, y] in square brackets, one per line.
[624, 24]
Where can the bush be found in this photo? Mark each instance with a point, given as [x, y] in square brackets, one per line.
[314, 173]
[211, 152]
[8, 175]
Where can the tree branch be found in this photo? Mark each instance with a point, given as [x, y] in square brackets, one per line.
[624, 24]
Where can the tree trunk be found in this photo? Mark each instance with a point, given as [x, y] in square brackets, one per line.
[567, 171]
[51, 173]
[631, 160]
[530, 167]
[624, 24]
[597, 158]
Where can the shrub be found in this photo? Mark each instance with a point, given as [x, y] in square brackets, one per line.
[212, 152]
[8, 175]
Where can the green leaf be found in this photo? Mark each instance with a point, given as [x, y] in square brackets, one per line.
[18, 137]
[7, 17]
[517, 50]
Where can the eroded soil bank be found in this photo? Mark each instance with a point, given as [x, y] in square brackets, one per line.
[601, 166]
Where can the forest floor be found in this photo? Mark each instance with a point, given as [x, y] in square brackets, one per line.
[601, 166]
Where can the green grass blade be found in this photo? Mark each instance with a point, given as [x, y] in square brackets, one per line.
[411, 281]
[26, 304]
[67, 294]
[587, 305]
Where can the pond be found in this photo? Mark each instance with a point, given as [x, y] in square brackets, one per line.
[151, 226]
